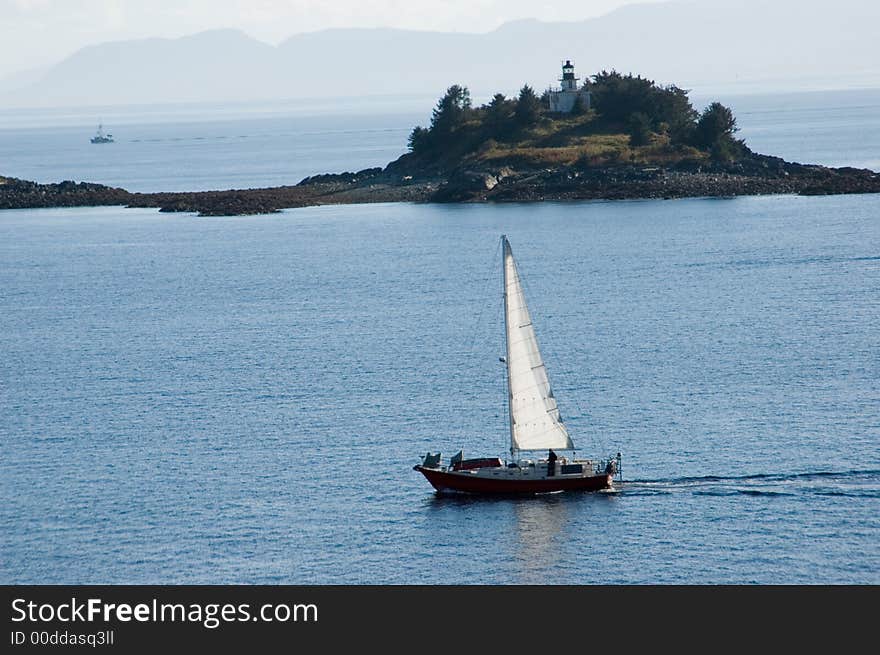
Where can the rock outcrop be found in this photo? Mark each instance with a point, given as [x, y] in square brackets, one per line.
[755, 176]
[20, 194]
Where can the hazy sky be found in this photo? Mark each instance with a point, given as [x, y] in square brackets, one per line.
[35, 33]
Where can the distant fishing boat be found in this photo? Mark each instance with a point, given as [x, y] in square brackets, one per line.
[534, 422]
[100, 137]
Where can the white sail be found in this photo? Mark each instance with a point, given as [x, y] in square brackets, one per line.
[534, 416]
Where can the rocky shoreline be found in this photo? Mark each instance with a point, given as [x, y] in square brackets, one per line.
[501, 182]
[759, 175]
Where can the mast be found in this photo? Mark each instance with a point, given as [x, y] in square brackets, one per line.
[505, 247]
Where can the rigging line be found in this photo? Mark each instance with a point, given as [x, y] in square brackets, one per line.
[484, 295]
[597, 444]
[465, 375]
[472, 341]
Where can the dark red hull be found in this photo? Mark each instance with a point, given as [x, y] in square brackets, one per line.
[443, 481]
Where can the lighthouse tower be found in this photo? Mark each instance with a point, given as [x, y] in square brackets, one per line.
[569, 81]
[563, 99]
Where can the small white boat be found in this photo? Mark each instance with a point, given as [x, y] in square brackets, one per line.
[101, 137]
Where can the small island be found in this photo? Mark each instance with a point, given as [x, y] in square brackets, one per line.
[614, 137]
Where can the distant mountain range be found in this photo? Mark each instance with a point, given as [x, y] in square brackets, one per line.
[748, 45]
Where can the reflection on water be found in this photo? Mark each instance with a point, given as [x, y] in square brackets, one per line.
[539, 523]
[534, 531]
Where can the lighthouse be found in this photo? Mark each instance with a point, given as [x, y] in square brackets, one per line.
[564, 98]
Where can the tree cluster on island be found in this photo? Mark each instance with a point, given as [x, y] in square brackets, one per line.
[631, 119]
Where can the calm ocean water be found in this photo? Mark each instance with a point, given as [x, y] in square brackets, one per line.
[241, 400]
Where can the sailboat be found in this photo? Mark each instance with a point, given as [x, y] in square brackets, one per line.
[536, 428]
[101, 137]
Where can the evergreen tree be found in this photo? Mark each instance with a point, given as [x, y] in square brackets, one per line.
[715, 127]
[639, 126]
[545, 100]
[498, 110]
[419, 139]
[616, 97]
[451, 110]
[528, 107]
[675, 110]
[498, 115]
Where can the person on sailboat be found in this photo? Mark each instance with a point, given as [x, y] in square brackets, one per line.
[551, 463]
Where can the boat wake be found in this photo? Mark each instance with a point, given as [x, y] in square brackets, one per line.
[854, 483]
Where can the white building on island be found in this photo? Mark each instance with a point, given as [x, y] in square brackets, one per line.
[563, 99]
